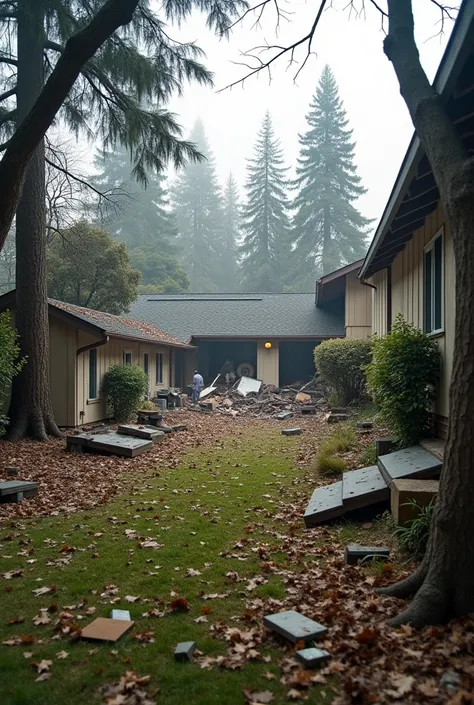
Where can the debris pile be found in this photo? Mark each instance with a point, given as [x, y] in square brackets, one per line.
[269, 401]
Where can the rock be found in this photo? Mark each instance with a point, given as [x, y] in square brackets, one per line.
[337, 418]
[294, 626]
[291, 432]
[12, 472]
[284, 415]
[450, 681]
[354, 553]
[184, 651]
[312, 657]
[302, 398]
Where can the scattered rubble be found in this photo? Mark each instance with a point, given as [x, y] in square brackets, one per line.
[269, 401]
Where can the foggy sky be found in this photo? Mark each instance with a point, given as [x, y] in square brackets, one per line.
[367, 84]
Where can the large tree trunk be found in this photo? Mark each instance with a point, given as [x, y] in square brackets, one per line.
[31, 411]
[443, 585]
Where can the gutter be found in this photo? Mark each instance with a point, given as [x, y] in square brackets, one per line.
[92, 346]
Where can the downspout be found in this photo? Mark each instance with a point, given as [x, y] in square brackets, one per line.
[84, 349]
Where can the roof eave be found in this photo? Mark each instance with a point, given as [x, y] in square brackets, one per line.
[151, 341]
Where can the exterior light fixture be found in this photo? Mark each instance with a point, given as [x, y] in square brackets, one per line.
[268, 345]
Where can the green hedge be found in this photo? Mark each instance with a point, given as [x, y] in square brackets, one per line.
[402, 377]
[10, 362]
[340, 363]
[124, 387]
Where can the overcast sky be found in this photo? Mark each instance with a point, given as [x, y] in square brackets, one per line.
[367, 84]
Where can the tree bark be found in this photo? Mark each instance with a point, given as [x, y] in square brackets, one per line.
[79, 49]
[31, 411]
[443, 585]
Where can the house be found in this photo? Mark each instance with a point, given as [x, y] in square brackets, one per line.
[84, 344]
[268, 336]
[410, 263]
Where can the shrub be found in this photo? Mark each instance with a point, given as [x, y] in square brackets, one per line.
[10, 362]
[340, 363]
[124, 387]
[148, 405]
[343, 438]
[402, 378]
[329, 465]
[413, 538]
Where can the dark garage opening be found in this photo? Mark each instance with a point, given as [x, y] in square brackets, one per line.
[296, 360]
[212, 354]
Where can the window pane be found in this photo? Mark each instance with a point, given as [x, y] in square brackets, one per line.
[427, 293]
[159, 368]
[128, 358]
[93, 374]
[438, 283]
[145, 363]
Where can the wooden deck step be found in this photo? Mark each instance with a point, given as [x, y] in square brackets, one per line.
[15, 491]
[326, 503]
[361, 488]
[413, 463]
[108, 443]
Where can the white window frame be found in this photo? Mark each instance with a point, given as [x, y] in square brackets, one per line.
[125, 353]
[157, 367]
[431, 330]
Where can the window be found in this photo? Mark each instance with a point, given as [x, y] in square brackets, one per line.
[93, 373]
[159, 368]
[127, 358]
[146, 364]
[433, 294]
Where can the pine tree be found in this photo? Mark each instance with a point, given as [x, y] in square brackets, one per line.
[265, 221]
[197, 206]
[118, 97]
[231, 232]
[329, 230]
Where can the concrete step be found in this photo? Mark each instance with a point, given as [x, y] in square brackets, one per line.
[363, 487]
[325, 503]
[413, 463]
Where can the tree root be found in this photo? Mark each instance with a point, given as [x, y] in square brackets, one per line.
[33, 426]
[430, 606]
[408, 587]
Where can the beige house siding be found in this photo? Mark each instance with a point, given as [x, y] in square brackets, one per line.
[62, 347]
[112, 353]
[358, 307]
[268, 362]
[407, 294]
[379, 303]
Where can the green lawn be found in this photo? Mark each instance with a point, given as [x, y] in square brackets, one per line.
[210, 503]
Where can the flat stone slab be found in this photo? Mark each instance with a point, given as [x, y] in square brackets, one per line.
[325, 503]
[14, 491]
[361, 488]
[413, 463]
[310, 658]
[184, 651]
[291, 432]
[284, 415]
[179, 427]
[294, 626]
[365, 424]
[354, 553]
[109, 443]
[308, 409]
[120, 614]
[150, 434]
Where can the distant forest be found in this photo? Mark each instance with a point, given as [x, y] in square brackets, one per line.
[274, 233]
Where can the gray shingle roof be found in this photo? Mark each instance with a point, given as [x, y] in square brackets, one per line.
[238, 315]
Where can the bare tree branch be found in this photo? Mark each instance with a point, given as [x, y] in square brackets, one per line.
[7, 94]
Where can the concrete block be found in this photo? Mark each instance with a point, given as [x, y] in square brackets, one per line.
[120, 614]
[365, 424]
[383, 446]
[325, 504]
[12, 472]
[294, 626]
[308, 409]
[284, 415]
[184, 651]
[413, 463]
[338, 410]
[310, 658]
[291, 432]
[337, 418]
[354, 553]
[405, 491]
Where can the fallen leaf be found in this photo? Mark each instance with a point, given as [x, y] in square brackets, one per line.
[62, 655]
